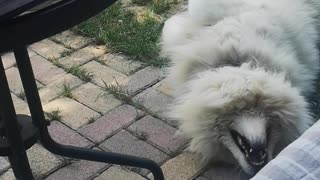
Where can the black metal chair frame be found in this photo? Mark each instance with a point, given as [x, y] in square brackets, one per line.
[20, 132]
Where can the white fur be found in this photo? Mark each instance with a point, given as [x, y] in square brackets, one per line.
[242, 64]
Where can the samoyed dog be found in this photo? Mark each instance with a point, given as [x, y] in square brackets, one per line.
[242, 70]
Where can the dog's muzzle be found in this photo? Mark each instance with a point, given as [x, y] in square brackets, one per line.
[255, 153]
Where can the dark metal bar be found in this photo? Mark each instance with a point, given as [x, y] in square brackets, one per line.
[2, 131]
[38, 117]
[18, 158]
[49, 21]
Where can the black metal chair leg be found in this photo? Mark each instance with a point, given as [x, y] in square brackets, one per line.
[18, 157]
[32, 95]
[2, 130]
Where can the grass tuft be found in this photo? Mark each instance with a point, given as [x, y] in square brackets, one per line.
[66, 90]
[100, 61]
[65, 53]
[56, 62]
[53, 115]
[81, 73]
[91, 120]
[120, 92]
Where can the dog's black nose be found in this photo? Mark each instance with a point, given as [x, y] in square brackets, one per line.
[257, 156]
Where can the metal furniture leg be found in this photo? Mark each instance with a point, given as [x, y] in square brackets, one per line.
[32, 95]
[18, 157]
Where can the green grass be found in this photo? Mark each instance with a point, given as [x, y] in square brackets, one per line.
[100, 61]
[123, 94]
[75, 70]
[53, 115]
[161, 6]
[119, 92]
[123, 31]
[65, 53]
[141, 2]
[81, 73]
[56, 62]
[66, 90]
[157, 6]
[91, 120]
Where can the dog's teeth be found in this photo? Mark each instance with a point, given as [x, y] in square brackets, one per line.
[257, 163]
[263, 154]
[247, 155]
[239, 140]
[250, 150]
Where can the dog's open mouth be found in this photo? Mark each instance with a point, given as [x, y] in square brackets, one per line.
[256, 154]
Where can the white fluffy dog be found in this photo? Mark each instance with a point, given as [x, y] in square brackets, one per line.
[242, 69]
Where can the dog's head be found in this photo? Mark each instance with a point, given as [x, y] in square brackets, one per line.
[250, 112]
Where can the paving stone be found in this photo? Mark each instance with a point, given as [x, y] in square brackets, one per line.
[224, 172]
[42, 162]
[184, 166]
[45, 71]
[165, 87]
[143, 78]
[159, 133]
[72, 40]
[48, 49]
[153, 100]
[14, 80]
[82, 56]
[156, 102]
[4, 164]
[80, 170]
[8, 175]
[64, 135]
[120, 63]
[9, 60]
[116, 172]
[126, 143]
[103, 73]
[20, 106]
[73, 114]
[94, 97]
[110, 123]
[54, 89]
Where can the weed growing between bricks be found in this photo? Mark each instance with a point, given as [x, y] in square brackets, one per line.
[81, 73]
[53, 115]
[123, 94]
[99, 61]
[91, 120]
[56, 62]
[75, 70]
[65, 53]
[66, 90]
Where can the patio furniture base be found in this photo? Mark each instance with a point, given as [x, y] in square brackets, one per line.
[21, 134]
[29, 135]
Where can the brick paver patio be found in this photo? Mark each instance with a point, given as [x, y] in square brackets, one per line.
[90, 117]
